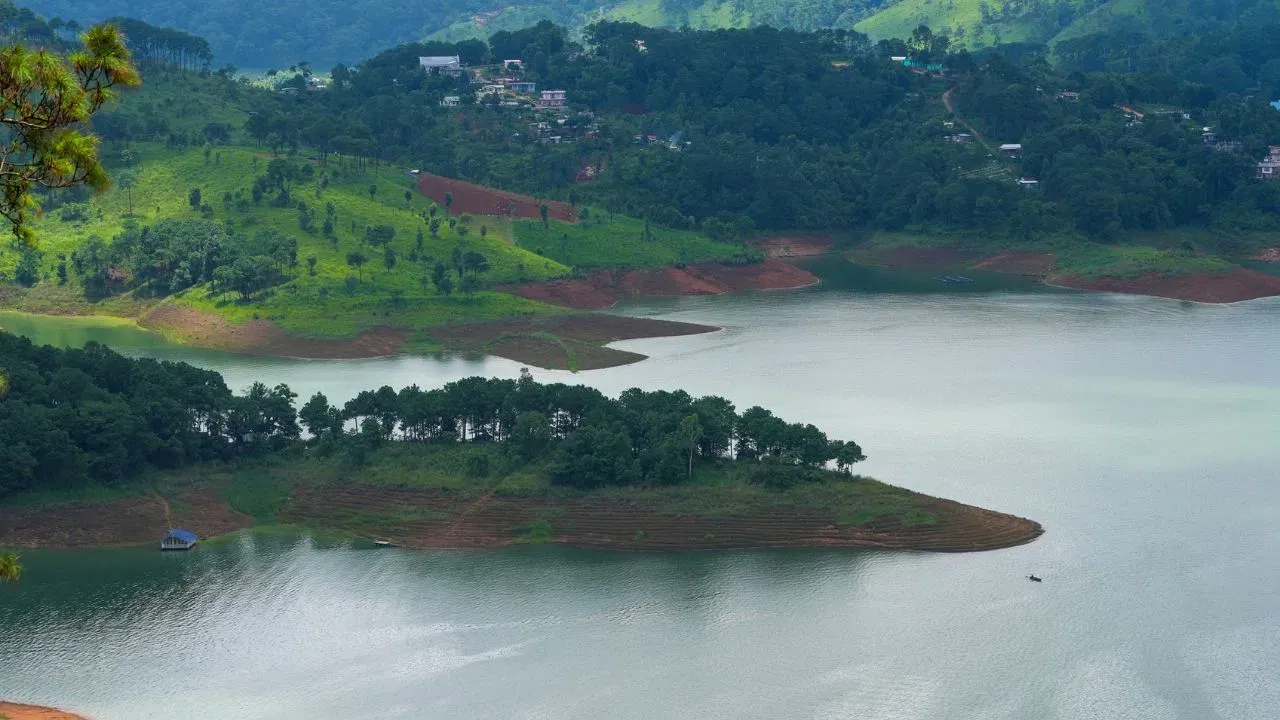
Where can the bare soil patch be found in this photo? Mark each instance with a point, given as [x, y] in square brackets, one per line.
[14, 711]
[563, 342]
[1233, 286]
[1016, 262]
[481, 200]
[263, 337]
[126, 521]
[606, 288]
[432, 519]
[794, 245]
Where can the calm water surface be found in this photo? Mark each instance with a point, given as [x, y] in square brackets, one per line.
[1141, 432]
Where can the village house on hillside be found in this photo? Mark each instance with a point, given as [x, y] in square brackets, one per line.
[1010, 149]
[552, 99]
[1269, 167]
[450, 65]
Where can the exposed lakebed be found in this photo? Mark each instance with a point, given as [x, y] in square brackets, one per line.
[1139, 431]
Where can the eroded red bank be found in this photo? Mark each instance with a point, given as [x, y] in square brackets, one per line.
[1235, 285]
[605, 288]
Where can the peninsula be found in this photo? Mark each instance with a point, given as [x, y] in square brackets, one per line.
[476, 463]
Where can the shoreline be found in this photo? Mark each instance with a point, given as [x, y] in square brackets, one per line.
[634, 519]
[604, 289]
[18, 711]
[1234, 285]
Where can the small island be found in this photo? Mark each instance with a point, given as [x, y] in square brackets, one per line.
[108, 450]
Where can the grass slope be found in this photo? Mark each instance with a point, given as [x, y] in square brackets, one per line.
[608, 240]
[1158, 253]
[165, 179]
[961, 19]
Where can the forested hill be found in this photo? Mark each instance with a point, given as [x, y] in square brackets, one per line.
[783, 130]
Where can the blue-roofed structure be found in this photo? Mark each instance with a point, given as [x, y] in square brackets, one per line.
[178, 539]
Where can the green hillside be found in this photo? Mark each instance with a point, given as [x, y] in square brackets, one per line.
[976, 23]
[327, 210]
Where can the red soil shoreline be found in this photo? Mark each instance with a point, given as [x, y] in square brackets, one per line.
[605, 288]
[17, 711]
[1234, 285]
[454, 522]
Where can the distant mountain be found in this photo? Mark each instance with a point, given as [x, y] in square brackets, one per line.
[262, 35]
[252, 34]
[982, 23]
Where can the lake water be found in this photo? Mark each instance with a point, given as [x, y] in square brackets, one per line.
[1143, 433]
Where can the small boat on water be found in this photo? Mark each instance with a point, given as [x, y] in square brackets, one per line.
[384, 543]
[953, 279]
[1033, 578]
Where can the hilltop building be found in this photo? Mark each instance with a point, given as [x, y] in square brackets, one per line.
[450, 65]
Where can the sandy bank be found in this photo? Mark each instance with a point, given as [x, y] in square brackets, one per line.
[606, 288]
[13, 711]
[1235, 285]
[263, 337]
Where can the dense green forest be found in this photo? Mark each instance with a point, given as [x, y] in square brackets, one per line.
[92, 416]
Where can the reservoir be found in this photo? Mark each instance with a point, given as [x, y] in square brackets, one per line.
[1143, 433]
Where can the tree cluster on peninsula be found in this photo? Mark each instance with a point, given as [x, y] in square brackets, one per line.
[93, 416]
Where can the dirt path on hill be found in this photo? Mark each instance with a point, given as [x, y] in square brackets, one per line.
[946, 102]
